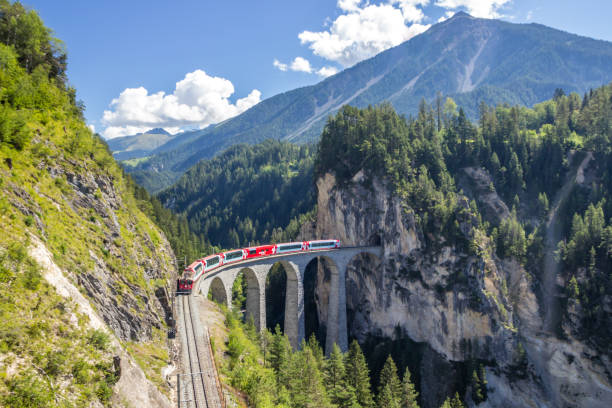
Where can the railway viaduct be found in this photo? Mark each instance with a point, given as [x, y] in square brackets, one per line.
[255, 271]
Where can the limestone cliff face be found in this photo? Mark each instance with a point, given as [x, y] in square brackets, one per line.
[132, 301]
[461, 305]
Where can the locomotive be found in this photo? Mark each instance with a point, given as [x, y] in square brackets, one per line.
[201, 266]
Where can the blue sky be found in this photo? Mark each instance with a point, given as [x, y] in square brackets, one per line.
[190, 63]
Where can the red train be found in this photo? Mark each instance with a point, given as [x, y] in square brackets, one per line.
[193, 272]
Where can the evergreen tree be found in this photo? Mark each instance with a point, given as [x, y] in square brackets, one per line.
[483, 382]
[476, 388]
[456, 402]
[317, 351]
[305, 382]
[388, 376]
[386, 399]
[358, 375]
[280, 354]
[409, 394]
[341, 393]
[446, 403]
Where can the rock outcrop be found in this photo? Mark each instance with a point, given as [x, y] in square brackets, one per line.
[459, 306]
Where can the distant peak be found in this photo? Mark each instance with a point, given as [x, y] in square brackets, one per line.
[461, 14]
[158, 131]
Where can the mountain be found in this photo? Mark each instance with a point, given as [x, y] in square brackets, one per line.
[469, 59]
[140, 145]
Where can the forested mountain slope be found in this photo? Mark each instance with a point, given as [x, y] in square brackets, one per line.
[83, 272]
[248, 194]
[470, 59]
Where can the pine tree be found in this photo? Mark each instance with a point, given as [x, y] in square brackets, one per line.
[317, 351]
[456, 402]
[386, 399]
[280, 354]
[358, 375]
[305, 383]
[476, 388]
[483, 382]
[388, 376]
[341, 393]
[446, 403]
[409, 394]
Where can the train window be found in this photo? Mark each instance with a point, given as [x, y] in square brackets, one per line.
[320, 244]
[233, 255]
[198, 268]
[252, 251]
[290, 247]
[212, 261]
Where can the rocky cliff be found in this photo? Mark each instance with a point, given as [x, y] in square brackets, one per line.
[456, 307]
[96, 329]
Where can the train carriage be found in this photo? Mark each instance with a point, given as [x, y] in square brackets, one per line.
[233, 256]
[211, 262]
[288, 247]
[262, 250]
[323, 244]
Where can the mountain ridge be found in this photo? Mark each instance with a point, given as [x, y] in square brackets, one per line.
[138, 145]
[467, 58]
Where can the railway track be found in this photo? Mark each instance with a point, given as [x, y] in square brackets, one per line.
[199, 388]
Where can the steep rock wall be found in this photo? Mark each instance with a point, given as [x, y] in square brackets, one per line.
[465, 305]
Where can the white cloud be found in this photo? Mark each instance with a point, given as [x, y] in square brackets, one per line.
[92, 128]
[327, 71]
[477, 8]
[197, 101]
[301, 64]
[529, 15]
[446, 16]
[410, 9]
[364, 31]
[349, 5]
[280, 65]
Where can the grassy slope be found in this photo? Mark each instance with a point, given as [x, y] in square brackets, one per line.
[47, 357]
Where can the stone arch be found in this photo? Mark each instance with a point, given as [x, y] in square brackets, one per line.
[363, 275]
[253, 296]
[317, 294]
[294, 302]
[218, 291]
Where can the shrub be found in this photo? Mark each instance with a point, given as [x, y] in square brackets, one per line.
[99, 339]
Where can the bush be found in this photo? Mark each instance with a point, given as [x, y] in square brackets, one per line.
[99, 339]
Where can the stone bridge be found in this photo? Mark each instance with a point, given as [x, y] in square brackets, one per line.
[255, 271]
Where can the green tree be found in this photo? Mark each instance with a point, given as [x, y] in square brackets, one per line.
[280, 354]
[305, 382]
[477, 395]
[386, 399]
[358, 375]
[456, 402]
[341, 393]
[388, 376]
[409, 394]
